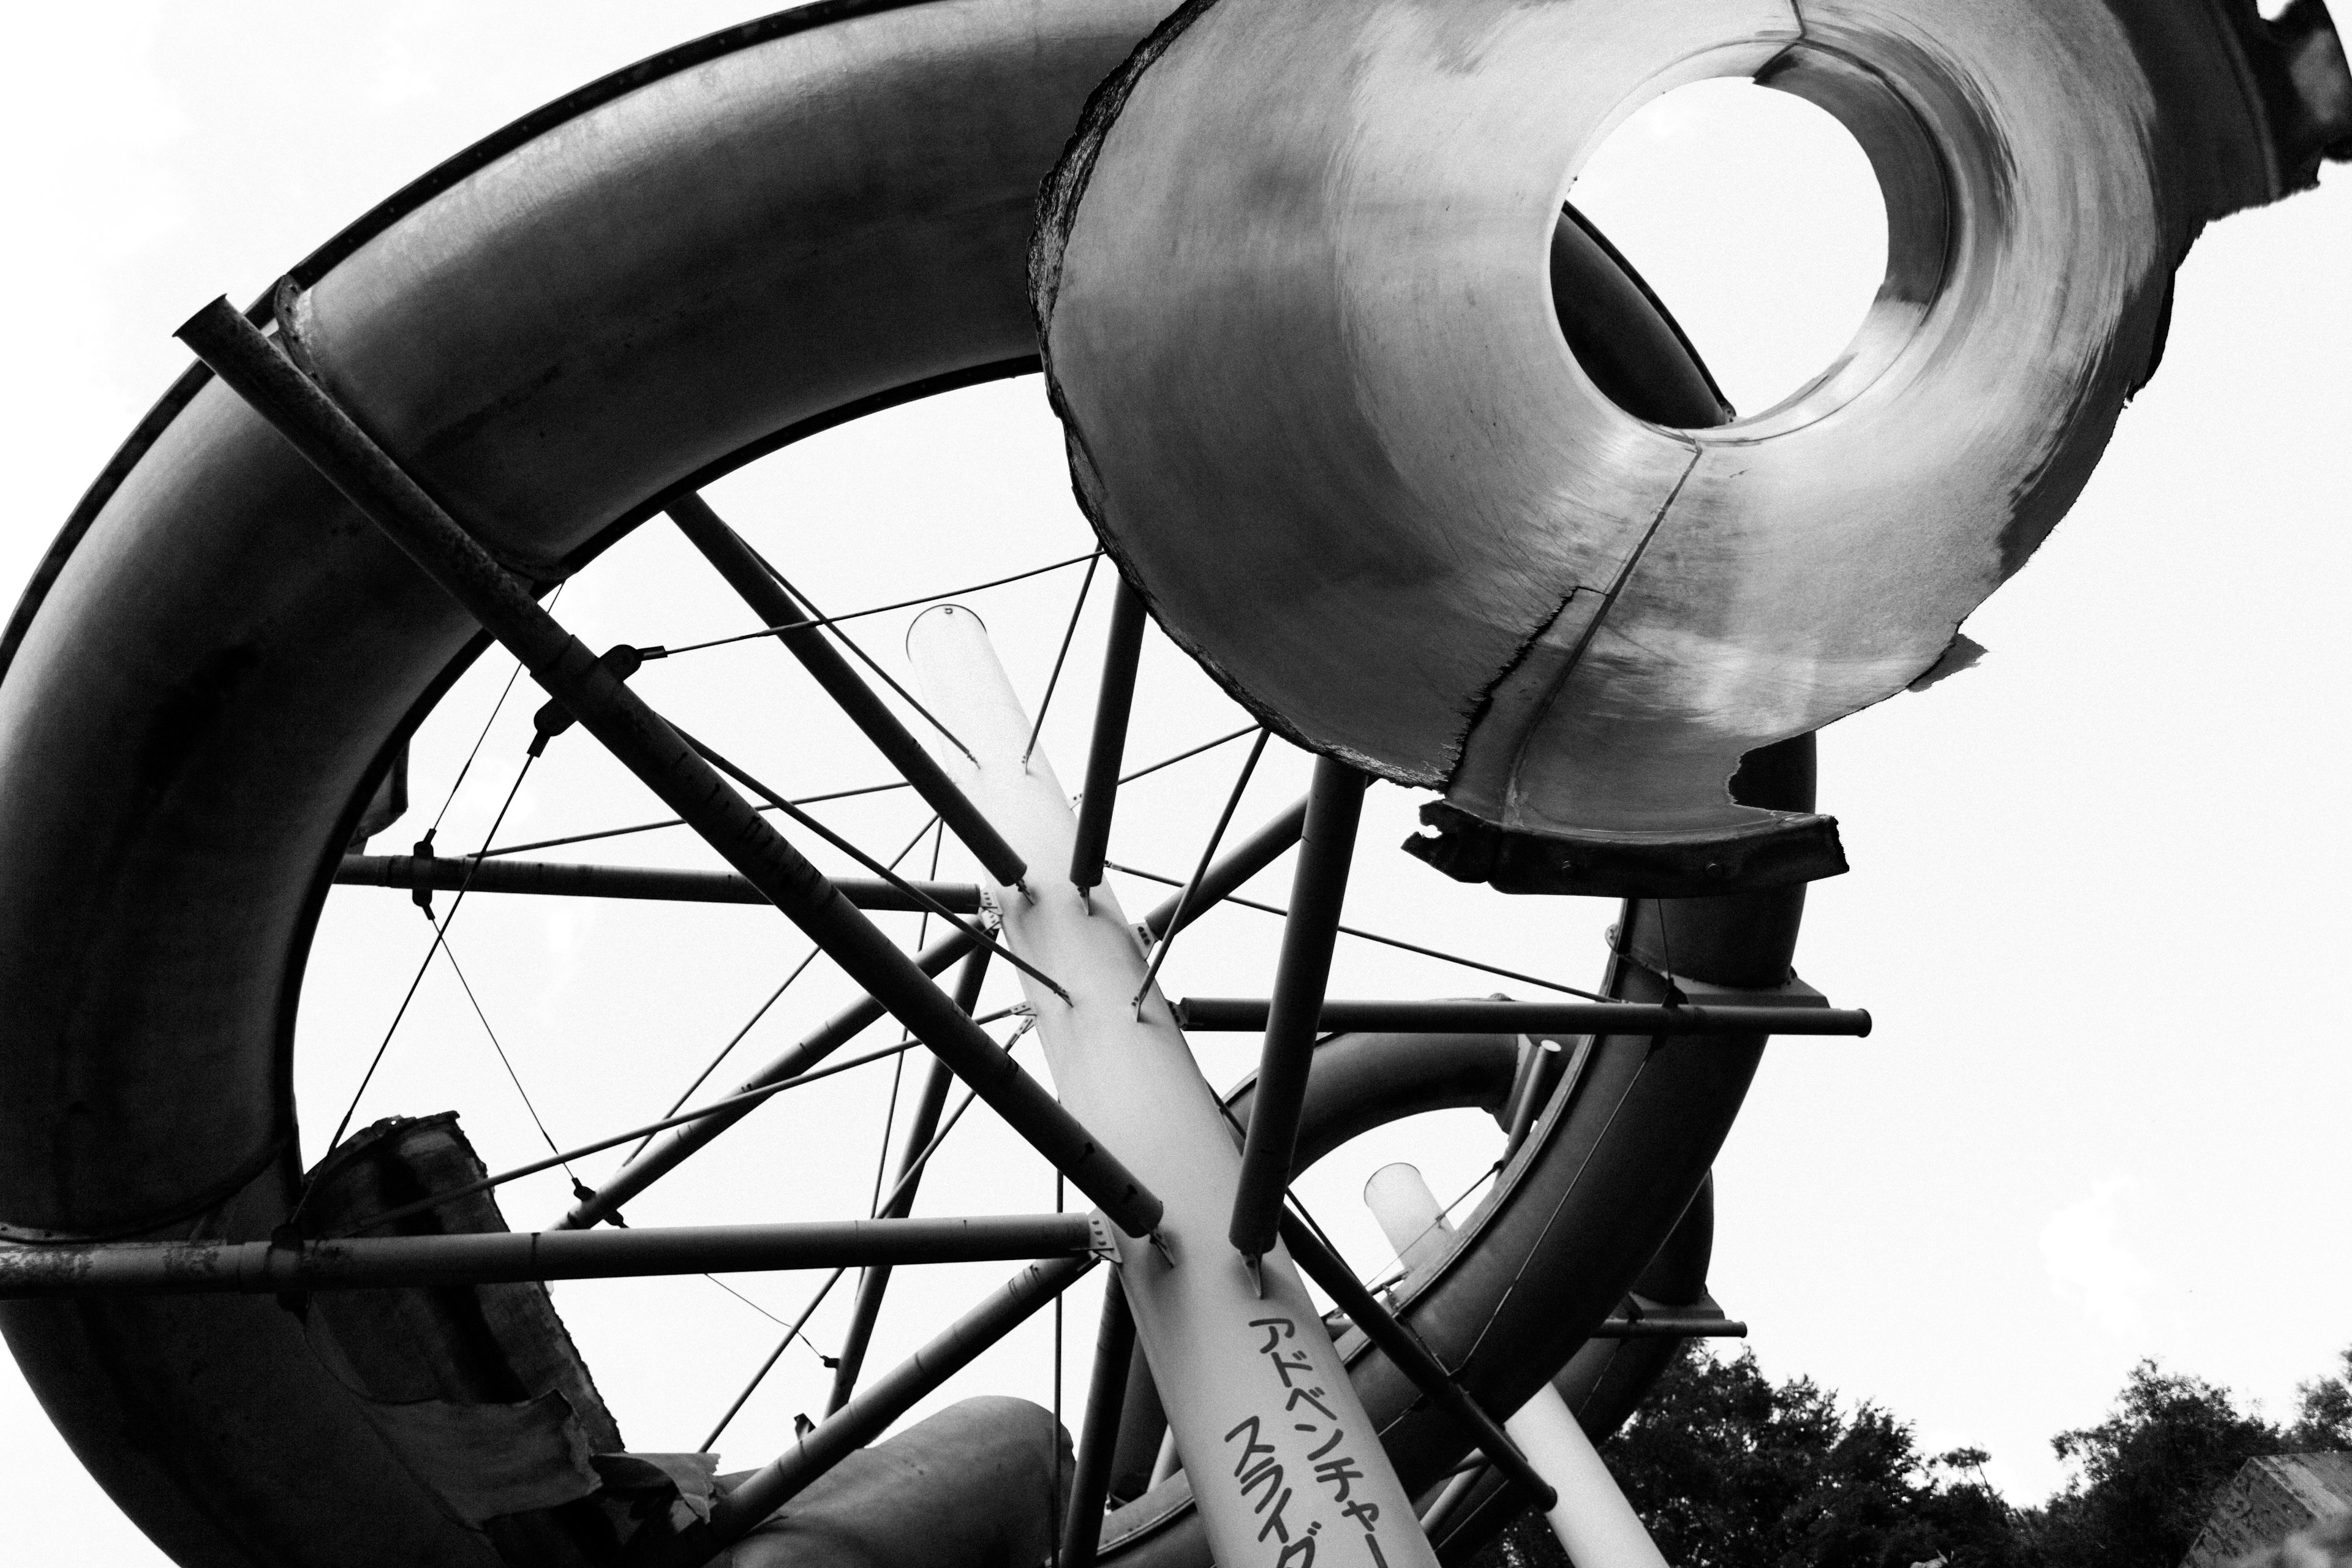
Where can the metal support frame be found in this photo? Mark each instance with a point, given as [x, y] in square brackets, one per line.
[1404, 1348]
[263, 1267]
[1252, 1385]
[1229, 871]
[1665, 1326]
[737, 1512]
[930, 1098]
[559, 878]
[1113, 701]
[670, 1151]
[1242, 1013]
[776, 607]
[1098, 1435]
[641, 741]
[1237, 865]
[1190, 893]
[1319, 886]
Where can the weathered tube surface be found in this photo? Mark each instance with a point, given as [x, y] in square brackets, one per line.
[654, 280]
[1295, 287]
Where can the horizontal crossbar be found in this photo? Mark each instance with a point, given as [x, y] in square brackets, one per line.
[263, 1267]
[571, 879]
[1246, 1013]
[1670, 1327]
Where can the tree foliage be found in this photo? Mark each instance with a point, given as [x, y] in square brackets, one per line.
[2147, 1475]
[1732, 1470]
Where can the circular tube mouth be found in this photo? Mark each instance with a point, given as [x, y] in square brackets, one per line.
[1926, 154]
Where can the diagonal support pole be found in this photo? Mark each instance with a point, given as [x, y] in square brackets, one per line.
[930, 1100]
[1319, 886]
[1235, 867]
[1404, 1348]
[859, 1422]
[1113, 703]
[775, 605]
[642, 742]
[1099, 1438]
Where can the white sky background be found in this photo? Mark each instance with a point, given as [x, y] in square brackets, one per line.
[2097, 895]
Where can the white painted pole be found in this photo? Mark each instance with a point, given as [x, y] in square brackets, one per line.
[1283, 1463]
[1596, 1526]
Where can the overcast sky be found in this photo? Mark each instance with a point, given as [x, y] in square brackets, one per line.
[2097, 899]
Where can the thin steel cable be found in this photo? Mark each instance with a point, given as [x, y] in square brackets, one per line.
[876, 610]
[680, 821]
[496, 708]
[851, 644]
[889, 1120]
[775, 1355]
[1185, 755]
[737, 1038]
[923, 927]
[1189, 755]
[1047, 701]
[440, 930]
[763, 1311]
[882, 1155]
[1388, 1276]
[885, 873]
[1208, 853]
[1384, 940]
[700, 1112]
[712, 1066]
[504, 1060]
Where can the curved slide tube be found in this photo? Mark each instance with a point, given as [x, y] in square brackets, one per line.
[1293, 285]
[826, 212]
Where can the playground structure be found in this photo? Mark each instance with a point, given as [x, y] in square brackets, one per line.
[217, 669]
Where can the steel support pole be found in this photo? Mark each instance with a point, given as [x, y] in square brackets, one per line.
[1317, 889]
[776, 607]
[570, 879]
[1260, 1403]
[642, 742]
[738, 1512]
[1113, 703]
[930, 1098]
[1230, 870]
[674, 1148]
[1412, 1358]
[1665, 1326]
[1242, 1013]
[261, 1267]
[1579, 1499]
[1099, 1436]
